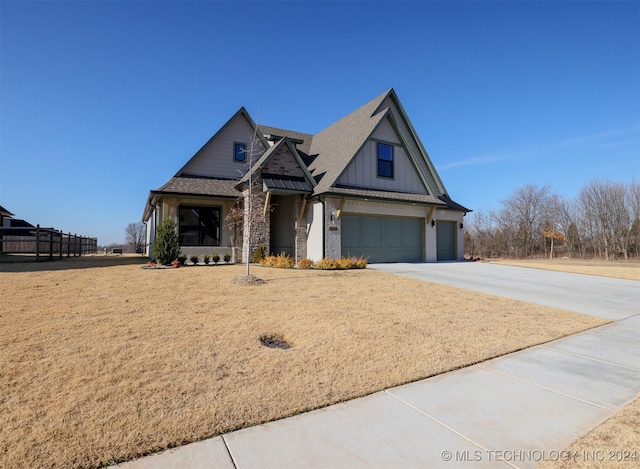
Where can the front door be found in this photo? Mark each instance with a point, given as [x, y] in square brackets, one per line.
[282, 225]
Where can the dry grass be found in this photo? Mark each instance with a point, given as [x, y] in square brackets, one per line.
[625, 270]
[102, 364]
[614, 444]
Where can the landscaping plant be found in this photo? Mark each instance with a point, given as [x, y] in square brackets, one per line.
[166, 247]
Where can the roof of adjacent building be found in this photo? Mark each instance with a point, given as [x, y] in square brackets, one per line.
[4, 212]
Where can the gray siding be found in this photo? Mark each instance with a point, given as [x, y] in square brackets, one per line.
[413, 145]
[215, 159]
[363, 169]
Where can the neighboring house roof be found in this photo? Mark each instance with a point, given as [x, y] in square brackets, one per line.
[4, 212]
[18, 227]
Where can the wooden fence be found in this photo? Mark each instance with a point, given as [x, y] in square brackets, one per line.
[44, 243]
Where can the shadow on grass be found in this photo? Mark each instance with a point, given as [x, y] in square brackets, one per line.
[91, 261]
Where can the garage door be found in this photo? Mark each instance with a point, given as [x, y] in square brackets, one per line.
[446, 240]
[382, 239]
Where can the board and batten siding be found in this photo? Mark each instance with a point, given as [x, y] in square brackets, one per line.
[216, 158]
[363, 169]
[412, 144]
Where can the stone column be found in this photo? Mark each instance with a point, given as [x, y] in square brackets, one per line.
[260, 223]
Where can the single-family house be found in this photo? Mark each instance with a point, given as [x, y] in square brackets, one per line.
[364, 186]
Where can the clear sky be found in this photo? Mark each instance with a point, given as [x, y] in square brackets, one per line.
[102, 102]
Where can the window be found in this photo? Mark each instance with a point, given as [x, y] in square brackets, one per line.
[199, 226]
[239, 152]
[385, 160]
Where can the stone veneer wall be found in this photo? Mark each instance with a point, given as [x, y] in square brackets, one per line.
[260, 226]
[300, 230]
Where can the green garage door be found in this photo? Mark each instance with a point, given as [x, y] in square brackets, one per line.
[382, 239]
[446, 240]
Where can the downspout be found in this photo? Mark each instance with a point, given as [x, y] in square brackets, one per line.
[324, 228]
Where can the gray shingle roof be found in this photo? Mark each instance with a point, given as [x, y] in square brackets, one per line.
[200, 186]
[304, 146]
[5, 212]
[338, 143]
[386, 195]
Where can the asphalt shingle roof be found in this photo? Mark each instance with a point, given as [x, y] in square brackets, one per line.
[200, 186]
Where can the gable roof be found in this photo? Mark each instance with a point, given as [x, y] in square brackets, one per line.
[5, 213]
[267, 155]
[324, 157]
[336, 145]
[241, 112]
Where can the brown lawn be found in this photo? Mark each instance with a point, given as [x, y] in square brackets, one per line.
[103, 361]
[614, 444]
[626, 270]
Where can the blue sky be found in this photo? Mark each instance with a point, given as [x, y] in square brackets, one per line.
[103, 101]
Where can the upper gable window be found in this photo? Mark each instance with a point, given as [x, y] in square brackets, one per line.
[240, 152]
[385, 160]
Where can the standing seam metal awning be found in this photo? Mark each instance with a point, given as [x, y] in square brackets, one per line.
[287, 186]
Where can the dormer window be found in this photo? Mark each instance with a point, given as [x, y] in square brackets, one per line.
[240, 152]
[385, 160]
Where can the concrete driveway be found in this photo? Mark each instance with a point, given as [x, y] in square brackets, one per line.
[604, 297]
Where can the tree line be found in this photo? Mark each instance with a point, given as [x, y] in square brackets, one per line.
[602, 221]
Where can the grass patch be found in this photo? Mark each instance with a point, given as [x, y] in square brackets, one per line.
[104, 362]
[625, 270]
[614, 444]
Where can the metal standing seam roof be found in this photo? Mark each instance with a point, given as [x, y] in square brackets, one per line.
[287, 185]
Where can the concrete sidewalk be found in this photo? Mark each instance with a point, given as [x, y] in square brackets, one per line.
[512, 411]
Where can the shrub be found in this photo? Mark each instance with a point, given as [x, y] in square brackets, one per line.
[227, 258]
[166, 247]
[194, 259]
[206, 258]
[305, 264]
[215, 258]
[342, 263]
[259, 254]
[182, 259]
[281, 261]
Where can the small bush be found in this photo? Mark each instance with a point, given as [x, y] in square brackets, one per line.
[341, 264]
[259, 254]
[182, 259]
[194, 259]
[206, 258]
[281, 261]
[227, 258]
[215, 258]
[305, 264]
[166, 246]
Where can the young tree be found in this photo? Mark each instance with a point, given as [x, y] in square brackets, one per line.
[166, 247]
[135, 234]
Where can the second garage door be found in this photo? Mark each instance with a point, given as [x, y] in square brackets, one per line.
[382, 239]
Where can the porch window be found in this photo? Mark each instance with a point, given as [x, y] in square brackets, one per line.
[239, 152]
[199, 226]
[385, 160]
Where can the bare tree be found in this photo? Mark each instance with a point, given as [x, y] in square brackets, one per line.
[607, 216]
[526, 211]
[135, 234]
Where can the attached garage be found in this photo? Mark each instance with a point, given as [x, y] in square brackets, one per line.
[383, 239]
[446, 240]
